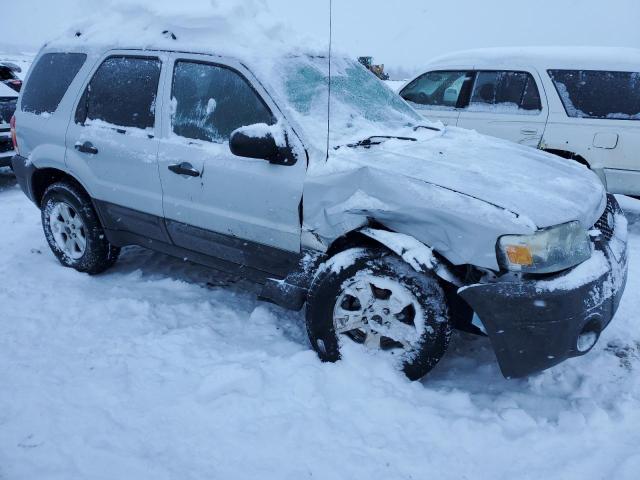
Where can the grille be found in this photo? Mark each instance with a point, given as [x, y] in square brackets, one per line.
[6, 145]
[606, 226]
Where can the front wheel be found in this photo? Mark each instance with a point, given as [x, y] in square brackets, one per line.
[73, 230]
[374, 299]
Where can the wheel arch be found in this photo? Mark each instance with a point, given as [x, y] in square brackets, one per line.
[43, 178]
[416, 254]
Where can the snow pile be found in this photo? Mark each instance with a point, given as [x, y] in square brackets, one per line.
[147, 373]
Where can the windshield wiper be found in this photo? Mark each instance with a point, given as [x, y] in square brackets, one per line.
[415, 129]
[375, 140]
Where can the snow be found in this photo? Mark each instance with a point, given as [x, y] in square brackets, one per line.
[147, 372]
[546, 57]
[504, 108]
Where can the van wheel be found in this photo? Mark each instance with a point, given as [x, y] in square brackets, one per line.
[374, 299]
[73, 230]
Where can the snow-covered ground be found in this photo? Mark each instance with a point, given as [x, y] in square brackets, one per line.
[162, 370]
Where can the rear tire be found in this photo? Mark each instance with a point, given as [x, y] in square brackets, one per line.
[368, 289]
[73, 230]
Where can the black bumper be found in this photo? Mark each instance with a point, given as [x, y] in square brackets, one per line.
[23, 170]
[534, 325]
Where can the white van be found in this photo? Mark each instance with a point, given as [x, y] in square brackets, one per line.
[582, 104]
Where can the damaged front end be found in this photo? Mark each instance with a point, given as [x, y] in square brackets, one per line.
[536, 323]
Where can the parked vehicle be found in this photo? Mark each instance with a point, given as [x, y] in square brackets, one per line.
[395, 234]
[581, 104]
[9, 75]
[8, 100]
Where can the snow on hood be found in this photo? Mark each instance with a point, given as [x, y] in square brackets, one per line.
[455, 190]
[542, 189]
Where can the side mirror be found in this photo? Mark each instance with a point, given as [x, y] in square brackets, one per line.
[259, 141]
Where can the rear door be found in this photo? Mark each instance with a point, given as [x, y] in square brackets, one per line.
[508, 105]
[217, 203]
[439, 94]
[112, 141]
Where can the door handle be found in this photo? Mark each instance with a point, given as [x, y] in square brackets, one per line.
[184, 168]
[529, 131]
[86, 147]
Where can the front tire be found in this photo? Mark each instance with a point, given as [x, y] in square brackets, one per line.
[73, 230]
[373, 298]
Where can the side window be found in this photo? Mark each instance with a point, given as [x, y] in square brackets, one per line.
[599, 94]
[49, 81]
[122, 93]
[209, 102]
[515, 92]
[436, 89]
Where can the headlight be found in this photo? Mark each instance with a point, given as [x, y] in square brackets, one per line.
[550, 250]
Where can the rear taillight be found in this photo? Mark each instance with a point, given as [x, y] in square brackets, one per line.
[14, 137]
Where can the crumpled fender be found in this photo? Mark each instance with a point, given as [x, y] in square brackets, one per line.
[412, 251]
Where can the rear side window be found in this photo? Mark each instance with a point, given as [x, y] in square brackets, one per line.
[436, 89]
[595, 94]
[209, 102]
[49, 81]
[515, 92]
[122, 93]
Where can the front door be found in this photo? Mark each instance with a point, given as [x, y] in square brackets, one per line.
[508, 105]
[112, 142]
[215, 202]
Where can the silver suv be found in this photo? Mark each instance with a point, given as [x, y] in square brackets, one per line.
[391, 233]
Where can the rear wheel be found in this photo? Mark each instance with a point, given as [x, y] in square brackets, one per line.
[379, 302]
[73, 230]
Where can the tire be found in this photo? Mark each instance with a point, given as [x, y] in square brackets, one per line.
[351, 274]
[73, 230]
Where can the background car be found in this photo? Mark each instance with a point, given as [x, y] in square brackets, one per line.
[9, 75]
[8, 99]
[582, 104]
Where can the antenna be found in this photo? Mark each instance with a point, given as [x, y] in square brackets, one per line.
[329, 99]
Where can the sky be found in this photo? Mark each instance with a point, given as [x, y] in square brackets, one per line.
[403, 34]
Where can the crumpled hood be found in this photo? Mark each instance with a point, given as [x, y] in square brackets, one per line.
[454, 190]
[541, 189]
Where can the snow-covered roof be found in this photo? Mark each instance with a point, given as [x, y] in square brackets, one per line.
[591, 58]
[222, 28]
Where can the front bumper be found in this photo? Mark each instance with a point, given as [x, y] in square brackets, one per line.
[536, 324]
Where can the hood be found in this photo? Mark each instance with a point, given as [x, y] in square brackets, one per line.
[542, 190]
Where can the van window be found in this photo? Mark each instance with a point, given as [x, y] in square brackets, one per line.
[436, 89]
[209, 102]
[595, 94]
[122, 93]
[49, 81]
[514, 92]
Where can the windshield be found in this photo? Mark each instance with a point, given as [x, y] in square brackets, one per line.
[361, 105]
